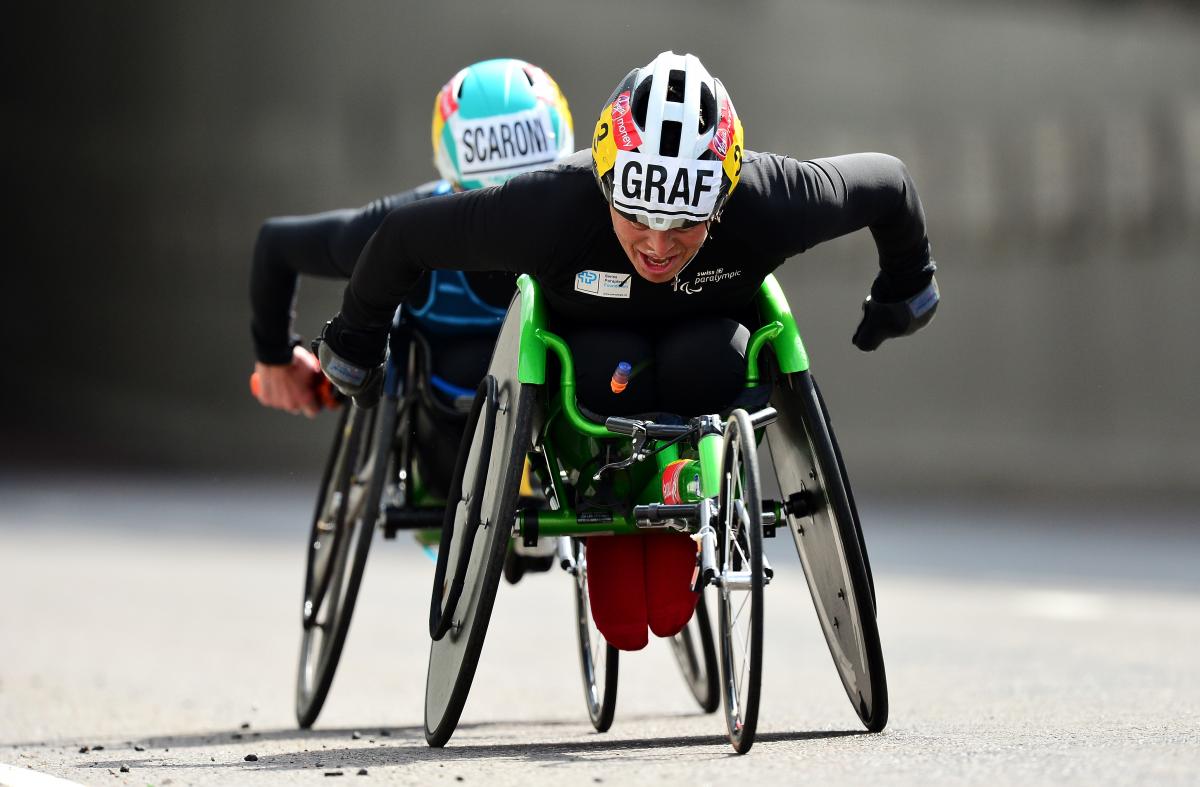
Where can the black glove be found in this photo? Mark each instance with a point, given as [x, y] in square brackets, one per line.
[887, 320]
[362, 382]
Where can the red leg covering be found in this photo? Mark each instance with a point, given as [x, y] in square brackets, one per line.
[617, 589]
[670, 559]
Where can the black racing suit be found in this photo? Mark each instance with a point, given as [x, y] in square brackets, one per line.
[328, 245]
[555, 225]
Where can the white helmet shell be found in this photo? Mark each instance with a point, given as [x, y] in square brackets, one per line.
[667, 149]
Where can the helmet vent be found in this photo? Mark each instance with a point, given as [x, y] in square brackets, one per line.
[675, 86]
[708, 108]
[528, 76]
[668, 144]
[641, 101]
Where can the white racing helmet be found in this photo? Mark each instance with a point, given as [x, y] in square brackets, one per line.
[667, 150]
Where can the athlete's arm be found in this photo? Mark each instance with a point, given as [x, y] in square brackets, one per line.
[809, 202]
[325, 245]
[503, 228]
[814, 201]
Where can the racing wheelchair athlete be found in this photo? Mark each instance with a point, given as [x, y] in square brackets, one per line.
[393, 463]
[665, 286]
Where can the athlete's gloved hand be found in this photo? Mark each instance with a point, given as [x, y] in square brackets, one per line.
[884, 320]
[361, 381]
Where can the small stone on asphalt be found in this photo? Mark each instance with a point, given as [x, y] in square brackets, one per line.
[245, 725]
[356, 735]
[124, 769]
[334, 773]
[362, 771]
[251, 758]
[84, 750]
[139, 748]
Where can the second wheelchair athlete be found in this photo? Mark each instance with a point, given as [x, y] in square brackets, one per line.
[491, 121]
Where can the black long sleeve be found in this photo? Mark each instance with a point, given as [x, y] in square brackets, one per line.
[555, 225]
[325, 245]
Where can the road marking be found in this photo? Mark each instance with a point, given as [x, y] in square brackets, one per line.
[12, 776]
[1062, 605]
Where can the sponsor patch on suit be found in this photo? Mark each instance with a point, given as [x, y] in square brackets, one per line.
[604, 284]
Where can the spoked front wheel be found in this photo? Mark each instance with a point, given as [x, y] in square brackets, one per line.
[597, 659]
[696, 652]
[740, 558]
[338, 544]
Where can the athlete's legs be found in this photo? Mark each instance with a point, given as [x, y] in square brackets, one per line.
[617, 590]
[686, 368]
[669, 559]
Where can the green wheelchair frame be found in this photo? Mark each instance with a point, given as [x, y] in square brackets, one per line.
[516, 415]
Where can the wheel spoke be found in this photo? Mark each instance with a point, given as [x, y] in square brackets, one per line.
[741, 591]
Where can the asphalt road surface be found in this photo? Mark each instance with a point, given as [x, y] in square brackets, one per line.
[155, 627]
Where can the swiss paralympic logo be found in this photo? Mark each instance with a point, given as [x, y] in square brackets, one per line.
[588, 277]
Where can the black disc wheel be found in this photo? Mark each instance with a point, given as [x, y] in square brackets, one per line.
[480, 513]
[696, 652]
[340, 538]
[824, 524]
[597, 659]
[740, 559]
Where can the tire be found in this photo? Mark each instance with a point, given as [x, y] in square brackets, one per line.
[837, 454]
[456, 543]
[696, 652]
[740, 558]
[825, 527]
[341, 535]
[454, 657]
[598, 660]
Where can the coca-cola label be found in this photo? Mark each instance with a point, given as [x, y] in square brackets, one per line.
[670, 482]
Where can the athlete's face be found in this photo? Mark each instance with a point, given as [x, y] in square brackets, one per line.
[657, 255]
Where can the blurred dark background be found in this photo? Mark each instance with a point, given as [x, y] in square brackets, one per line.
[1056, 146]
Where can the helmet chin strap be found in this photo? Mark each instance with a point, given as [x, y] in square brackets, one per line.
[695, 254]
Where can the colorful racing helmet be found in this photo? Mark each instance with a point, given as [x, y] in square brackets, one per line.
[497, 119]
[667, 151]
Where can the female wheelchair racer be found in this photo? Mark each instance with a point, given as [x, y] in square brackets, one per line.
[443, 343]
[668, 153]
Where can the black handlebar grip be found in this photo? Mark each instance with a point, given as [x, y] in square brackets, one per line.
[623, 426]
